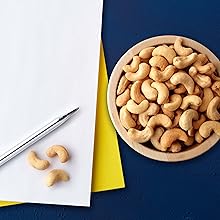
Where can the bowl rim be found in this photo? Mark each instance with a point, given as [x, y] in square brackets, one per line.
[113, 112]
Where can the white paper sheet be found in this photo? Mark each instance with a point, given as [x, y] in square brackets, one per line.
[49, 56]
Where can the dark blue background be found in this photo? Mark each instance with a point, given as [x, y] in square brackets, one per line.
[154, 190]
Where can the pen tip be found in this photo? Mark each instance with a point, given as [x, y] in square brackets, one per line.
[74, 110]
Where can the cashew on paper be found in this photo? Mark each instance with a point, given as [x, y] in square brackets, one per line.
[169, 95]
[36, 162]
[60, 151]
[55, 176]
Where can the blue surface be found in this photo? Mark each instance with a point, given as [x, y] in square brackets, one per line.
[155, 190]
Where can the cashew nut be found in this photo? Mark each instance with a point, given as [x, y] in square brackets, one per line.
[170, 114]
[207, 97]
[163, 92]
[214, 77]
[180, 50]
[186, 119]
[149, 92]
[193, 71]
[172, 135]
[212, 110]
[135, 117]
[192, 101]
[159, 62]
[137, 108]
[202, 59]
[36, 162]
[133, 67]
[143, 71]
[197, 124]
[190, 141]
[143, 118]
[60, 151]
[55, 176]
[165, 52]
[122, 85]
[201, 65]
[197, 90]
[162, 76]
[146, 53]
[199, 139]
[216, 87]
[180, 89]
[140, 136]
[184, 61]
[123, 98]
[175, 147]
[153, 109]
[183, 78]
[178, 113]
[191, 132]
[155, 139]
[136, 92]
[170, 86]
[203, 80]
[207, 127]
[159, 120]
[126, 119]
[174, 104]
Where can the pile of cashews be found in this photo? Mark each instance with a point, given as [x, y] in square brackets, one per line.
[54, 175]
[169, 95]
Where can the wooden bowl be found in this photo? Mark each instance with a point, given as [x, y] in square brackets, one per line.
[147, 149]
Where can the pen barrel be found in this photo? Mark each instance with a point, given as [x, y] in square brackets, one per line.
[27, 142]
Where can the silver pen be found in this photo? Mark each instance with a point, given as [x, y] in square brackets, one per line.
[36, 136]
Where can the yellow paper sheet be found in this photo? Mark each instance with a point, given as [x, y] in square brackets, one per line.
[107, 169]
